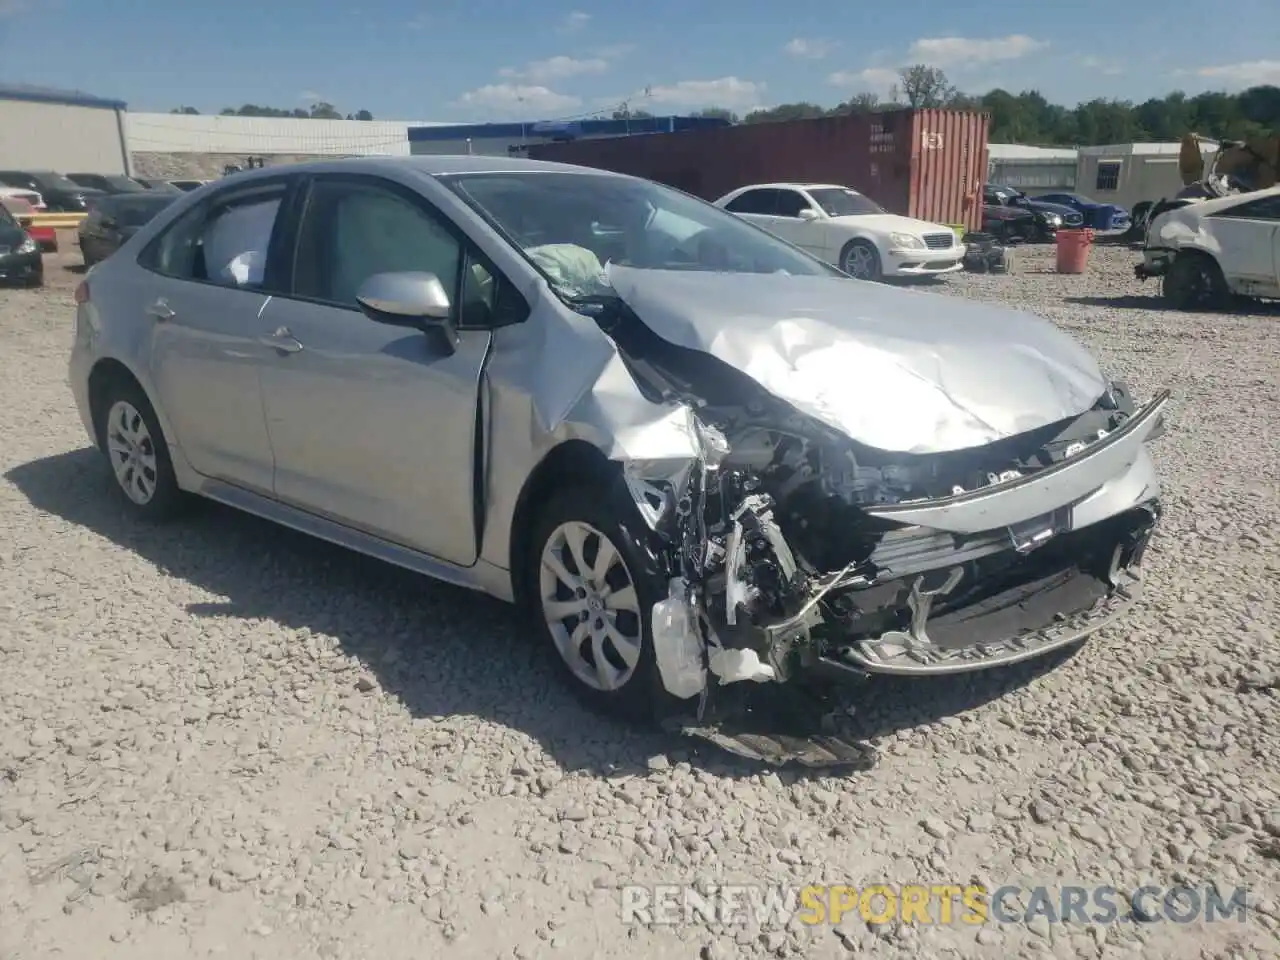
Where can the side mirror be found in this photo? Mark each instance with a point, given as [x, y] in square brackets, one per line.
[414, 300]
[108, 223]
[808, 213]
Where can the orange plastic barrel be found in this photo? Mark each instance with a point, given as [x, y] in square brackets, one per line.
[1073, 250]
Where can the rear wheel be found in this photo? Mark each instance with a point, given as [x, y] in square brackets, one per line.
[1195, 282]
[130, 437]
[593, 577]
[860, 259]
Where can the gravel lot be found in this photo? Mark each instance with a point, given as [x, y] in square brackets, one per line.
[221, 738]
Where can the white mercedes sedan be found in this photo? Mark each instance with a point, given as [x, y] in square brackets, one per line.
[849, 230]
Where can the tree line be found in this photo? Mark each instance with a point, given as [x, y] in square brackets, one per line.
[317, 111]
[1029, 118]
[1026, 117]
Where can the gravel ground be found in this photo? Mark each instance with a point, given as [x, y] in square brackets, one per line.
[221, 738]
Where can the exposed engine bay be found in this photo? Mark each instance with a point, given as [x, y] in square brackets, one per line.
[788, 551]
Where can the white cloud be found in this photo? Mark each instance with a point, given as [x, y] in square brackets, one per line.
[803, 49]
[555, 68]
[574, 21]
[1237, 76]
[1098, 65]
[310, 96]
[724, 92]
[518, 99]
[874, 79]
[615, 51]
[966, 51]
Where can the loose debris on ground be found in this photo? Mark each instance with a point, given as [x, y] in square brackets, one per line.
[221, 738]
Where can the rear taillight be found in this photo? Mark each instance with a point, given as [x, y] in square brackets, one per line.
[82, 292]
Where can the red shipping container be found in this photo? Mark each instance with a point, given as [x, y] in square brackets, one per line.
[921, 163]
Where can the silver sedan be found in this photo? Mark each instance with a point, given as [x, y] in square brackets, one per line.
[701, 458]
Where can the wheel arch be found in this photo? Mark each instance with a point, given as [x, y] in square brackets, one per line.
[107, 372]
[571, 462]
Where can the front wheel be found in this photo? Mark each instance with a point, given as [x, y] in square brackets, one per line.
[861, 259]
[1195, 281]
[594, 577]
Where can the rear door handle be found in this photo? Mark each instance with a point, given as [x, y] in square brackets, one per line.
[282, 340]
[160, 310]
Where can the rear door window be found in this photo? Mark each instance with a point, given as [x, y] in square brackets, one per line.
[764, 202]
[223, 242]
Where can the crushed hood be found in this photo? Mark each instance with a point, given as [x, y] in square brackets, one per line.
[893, 369]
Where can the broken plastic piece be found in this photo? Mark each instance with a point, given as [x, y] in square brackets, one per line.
[676, 644]
[732, 666]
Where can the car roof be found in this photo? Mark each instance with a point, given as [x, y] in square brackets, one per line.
[794, 186]
[430, 166]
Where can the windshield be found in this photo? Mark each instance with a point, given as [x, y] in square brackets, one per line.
[572, 225]
[842, 202]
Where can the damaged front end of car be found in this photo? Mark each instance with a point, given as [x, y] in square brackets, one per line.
[794, 551]
[1010, 521]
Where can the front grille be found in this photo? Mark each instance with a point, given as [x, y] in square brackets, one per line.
[939, 241]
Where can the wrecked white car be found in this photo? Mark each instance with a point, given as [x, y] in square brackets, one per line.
[1208, 250]
[700, 457]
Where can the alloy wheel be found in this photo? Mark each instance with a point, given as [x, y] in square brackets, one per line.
[860, 262]
[590, 605]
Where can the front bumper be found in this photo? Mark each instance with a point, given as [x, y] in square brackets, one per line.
[924, 263]
[79, 365]
[982, 578]
[1017, 606]
[1155, 263]
[22, 267]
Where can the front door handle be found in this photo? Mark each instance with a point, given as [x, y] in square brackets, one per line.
[282, 340]
[160, 310]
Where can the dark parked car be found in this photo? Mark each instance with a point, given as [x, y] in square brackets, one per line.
[1011, 215]
[116, 218]
[61, 195]
[107, 182]
[20, 258]
[160, 186]
[1100, 216]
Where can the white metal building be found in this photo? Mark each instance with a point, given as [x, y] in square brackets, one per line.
[1128, 173]
[1032, 169]
[176, 133]
[46, 129]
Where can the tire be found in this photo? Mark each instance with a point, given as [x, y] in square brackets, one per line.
[861, 259]
[628, 687]
[130, 438]
[1195, 281]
